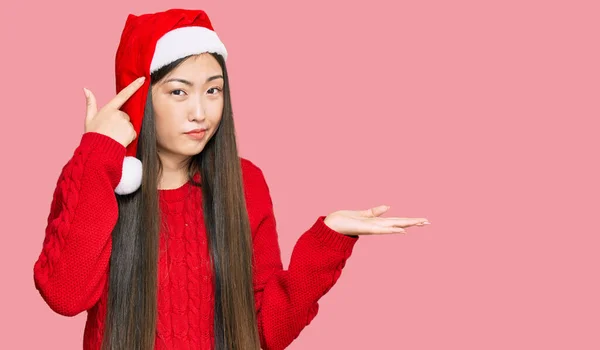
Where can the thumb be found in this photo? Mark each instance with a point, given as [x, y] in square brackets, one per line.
[376, 211]
[91, 106]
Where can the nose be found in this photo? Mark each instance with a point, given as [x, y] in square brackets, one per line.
[198, 112]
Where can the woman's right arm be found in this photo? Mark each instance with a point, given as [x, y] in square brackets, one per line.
[72, 269]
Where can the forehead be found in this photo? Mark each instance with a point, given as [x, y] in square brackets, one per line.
[197, 67]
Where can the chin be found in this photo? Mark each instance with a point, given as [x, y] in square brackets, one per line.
[189, 152]
[192, 151]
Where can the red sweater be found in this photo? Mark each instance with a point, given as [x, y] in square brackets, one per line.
[71, 272]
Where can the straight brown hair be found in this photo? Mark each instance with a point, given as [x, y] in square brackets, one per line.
[132, 296]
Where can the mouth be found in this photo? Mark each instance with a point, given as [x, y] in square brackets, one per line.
[196, 134]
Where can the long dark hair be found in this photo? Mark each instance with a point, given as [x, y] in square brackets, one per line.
[132, 295]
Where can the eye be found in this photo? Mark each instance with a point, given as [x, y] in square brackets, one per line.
[215, 90]
[178, 90]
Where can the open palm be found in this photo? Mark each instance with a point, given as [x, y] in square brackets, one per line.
[369, 222]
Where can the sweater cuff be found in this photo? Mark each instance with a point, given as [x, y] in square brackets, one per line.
[331, 238]
[98, 143]
[106, 153]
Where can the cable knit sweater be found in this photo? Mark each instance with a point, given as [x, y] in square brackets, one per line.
[71, 272]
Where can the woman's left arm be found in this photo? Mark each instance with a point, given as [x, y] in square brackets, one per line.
[286, 300]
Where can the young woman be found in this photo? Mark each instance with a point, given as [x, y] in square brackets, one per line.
[161, 232]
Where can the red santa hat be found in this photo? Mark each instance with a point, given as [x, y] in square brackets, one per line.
[148, 42]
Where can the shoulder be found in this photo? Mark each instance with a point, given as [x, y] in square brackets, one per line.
[254, 180]
[248, 165]
[251, 172]
[257, 193]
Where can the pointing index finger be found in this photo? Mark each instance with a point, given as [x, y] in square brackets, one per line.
[126, 93]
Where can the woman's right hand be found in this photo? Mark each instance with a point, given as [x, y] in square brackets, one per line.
[110, 120]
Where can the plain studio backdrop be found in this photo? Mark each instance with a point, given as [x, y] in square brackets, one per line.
[481, 116]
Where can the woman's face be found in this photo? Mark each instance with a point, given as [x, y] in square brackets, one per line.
[190, 97]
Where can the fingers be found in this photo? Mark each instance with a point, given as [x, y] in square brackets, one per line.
[402, 222]
[91, 106]
[126, 93]
[133, 131]
[133, 134]
[376, 229]
[376, 211]
[125, 116]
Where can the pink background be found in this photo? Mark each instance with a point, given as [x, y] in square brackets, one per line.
[480, 116]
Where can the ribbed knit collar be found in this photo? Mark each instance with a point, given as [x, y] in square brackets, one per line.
[179, 193]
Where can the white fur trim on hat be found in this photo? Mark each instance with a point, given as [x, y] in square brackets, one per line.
[185, 41]
[131, 178]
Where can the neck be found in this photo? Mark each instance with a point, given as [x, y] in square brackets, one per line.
[174, 171]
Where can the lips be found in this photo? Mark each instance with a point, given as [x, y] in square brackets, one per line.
[196, 134]
[195, 131]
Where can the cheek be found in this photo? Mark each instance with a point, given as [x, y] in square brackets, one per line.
[168, 121]
[165, 131]
[160, 110]
[215, 111]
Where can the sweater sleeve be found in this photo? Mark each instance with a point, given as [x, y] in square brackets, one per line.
[287, 300]
[72, 268]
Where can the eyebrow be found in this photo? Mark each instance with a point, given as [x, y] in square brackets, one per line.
[189, 83]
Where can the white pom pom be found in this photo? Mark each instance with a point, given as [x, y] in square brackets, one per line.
[131, 179]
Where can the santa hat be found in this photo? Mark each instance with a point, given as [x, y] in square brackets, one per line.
[148, 42]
